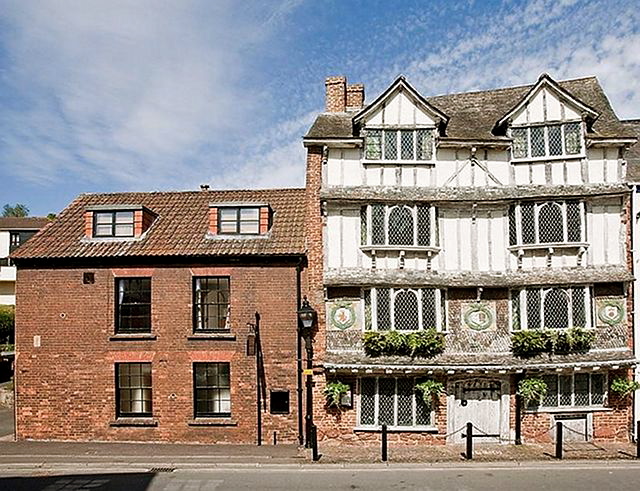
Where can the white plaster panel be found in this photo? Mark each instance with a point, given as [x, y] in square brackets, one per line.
[536, 112]
[484, 252]
[333, 238]
[497, 236]
[596, 171]
[406, 109]
[450, 238]
[350, 237]
[375, 119]
[373, 175]
[423, 118]
[465, 238]
[392, 109]
[538, 173]
[352, 171]
[612, 170]
[553, 107]
[407, 176]
[614, 242]
[388, 176]
[4, 243]
[334, 168]
[574, 172]
[598, 233]
[571, 114]
[557, 172]
[424, 176]
[521, 172]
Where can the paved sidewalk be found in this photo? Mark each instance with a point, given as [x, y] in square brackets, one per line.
[6, 423]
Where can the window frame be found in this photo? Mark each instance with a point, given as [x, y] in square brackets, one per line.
[198, 415]
[440, 307]
[522, 316]
[238, 220]
[573, 406]
[113, 224]
[196, 304]
[399, 131]
[117, 311]
[367, 228]
[118, 389]
[376, 417]
[516, 223]
[547, 154]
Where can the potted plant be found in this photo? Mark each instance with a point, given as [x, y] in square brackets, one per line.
[624, 387]
[430, 389]
[335, 391]
[532, 390]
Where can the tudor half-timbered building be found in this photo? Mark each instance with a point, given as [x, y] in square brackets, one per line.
[478, 241]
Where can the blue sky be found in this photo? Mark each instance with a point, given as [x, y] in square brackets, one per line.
[155, 95]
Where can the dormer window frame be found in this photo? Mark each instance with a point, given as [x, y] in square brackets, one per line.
[396, 137]
[547, 155]
[114, 224]
[238, 221]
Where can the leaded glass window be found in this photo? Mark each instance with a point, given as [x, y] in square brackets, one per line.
[552, 308]
[537, 141]
[424, 144]
[573, 142]
[399, 225]
[546, 223]
[407, 146]
[390, 145]
[394, 402]
[373, 144]
[576, 390]
[400, 145]
[555, 139]
[404, 309]
[520, 143]
[546, 140]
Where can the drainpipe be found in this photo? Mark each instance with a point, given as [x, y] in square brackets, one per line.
[299, 350]
[635, 250]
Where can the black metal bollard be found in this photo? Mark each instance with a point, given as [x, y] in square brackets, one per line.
[275, 437]
[638, 440]
[314, 443]
[559, 439]
[384, 443]
[469, 454]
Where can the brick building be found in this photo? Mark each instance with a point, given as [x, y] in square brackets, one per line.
[465, 245]
[136, 317]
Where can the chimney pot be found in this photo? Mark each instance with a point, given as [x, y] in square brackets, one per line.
[204, 187]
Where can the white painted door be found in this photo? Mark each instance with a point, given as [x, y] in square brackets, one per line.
[478, 401]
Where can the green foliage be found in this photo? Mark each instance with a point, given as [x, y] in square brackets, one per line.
[526, 344]
[19, 210]
[51, 216]
[429, 388]
[7, 323]
[7, 347]
[532, 390]
[624, 386]
[334, 392]
[423, 344]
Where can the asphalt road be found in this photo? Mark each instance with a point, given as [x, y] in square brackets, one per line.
[566, 477]
[6, 421]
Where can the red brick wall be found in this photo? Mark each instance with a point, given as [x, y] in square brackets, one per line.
[336, 93]
[66, 388]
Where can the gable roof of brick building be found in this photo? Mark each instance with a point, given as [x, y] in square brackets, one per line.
[473, 115]
[23, 223]
[179, 229]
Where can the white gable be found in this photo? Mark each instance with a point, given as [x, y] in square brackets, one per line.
[399, 109]
[546, 105]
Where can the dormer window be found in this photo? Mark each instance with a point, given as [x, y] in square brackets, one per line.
[239, 219]
[399, 144]
[552, 140]
[113, 224]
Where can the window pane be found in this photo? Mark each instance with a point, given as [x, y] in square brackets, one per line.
[424, 225]
[124, 217]
[103, 230]
[226, 214]
[565, 390]
[515, 310]
[572, 139]
[429, 311]
[555, 140]
[386, 392]
[390, 145]
[578, 307]
[401, 226]
[581, 397]
[424, 144]
[537, 141]
[597, 389]
[406, 145]
[367, 310]
[124, 230]
[251, 214]
[363, 225]
[533, 308]
[513, 237]
[373, 144]
[519, 145]
[405, 402]
[551, 399]
[406, 311]
[556, 309]
[377, 225]
[367, 401]
[550, 223]
[228, 227]
[574, 222]
[249, 227]
[423, 410]
[383, 310]
[528, 223]
[103, 218]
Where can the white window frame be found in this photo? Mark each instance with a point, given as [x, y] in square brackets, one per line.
[605, 393]
[522, 296]
[433, 228]
[440, 308]
[537, 206]
[431, 426]
[563, 156]
[399, 159]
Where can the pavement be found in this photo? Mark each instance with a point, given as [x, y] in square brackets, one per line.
[6, 423]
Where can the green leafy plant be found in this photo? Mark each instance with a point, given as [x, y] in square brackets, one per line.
[429, 389]
[532, 390]
[624, 386]
[334, 392]
[424, 344]
[7, 323]
[533, 342]
[7, 347]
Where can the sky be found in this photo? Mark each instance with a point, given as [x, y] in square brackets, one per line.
[110, 95]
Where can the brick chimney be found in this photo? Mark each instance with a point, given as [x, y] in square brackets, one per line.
[355, 97]
[336, 100]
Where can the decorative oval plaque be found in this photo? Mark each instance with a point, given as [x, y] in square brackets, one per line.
[611, 312]
[478, 317]
[342, 315]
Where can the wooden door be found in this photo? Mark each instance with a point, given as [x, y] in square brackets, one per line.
[478, 401]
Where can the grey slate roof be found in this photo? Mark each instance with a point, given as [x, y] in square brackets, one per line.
[474, 114]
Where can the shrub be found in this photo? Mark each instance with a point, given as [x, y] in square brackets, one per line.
[334, 392]
[532, 390]
[533, 342]
[423, 344]
[7, 323]
[429, 389]
[624, 386]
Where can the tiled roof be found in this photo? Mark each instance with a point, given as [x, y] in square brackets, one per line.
[474, 114]
[180, 228]
[633, 154]
[22, 223]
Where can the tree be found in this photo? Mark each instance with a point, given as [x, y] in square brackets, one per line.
[51, 216]
[19, 210]
[7, 323]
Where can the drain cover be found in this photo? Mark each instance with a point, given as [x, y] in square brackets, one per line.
[162, 469]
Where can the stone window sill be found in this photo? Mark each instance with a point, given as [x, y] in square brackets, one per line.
[222, 336]
[138, 422]
[133, 337]
[398, 162]
[399, 248]
[552, 245]
[570, 409]
[416, 429]
[213, 422]
[548, 158]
